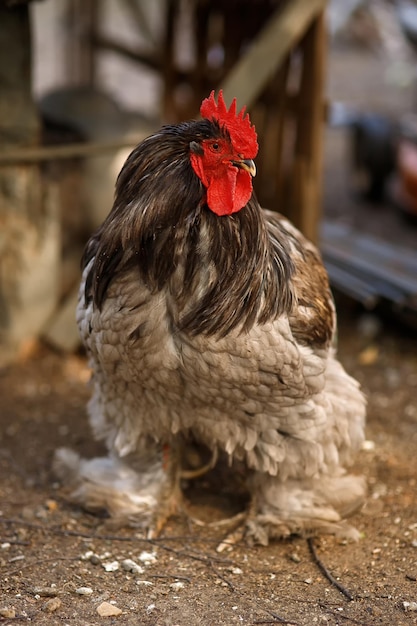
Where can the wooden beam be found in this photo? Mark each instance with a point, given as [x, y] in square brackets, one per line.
[265, 55]
[150, 60]
[140, 17]
[68, 151]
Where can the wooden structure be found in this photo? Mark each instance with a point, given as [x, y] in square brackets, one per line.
[269, 54]
[29, 223]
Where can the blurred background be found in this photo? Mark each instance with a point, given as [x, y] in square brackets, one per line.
[331, 88]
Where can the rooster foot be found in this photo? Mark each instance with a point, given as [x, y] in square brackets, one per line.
[142, 494]
[262, 528]
[259, 529]
[306, 507]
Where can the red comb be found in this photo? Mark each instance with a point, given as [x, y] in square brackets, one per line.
[241, 131]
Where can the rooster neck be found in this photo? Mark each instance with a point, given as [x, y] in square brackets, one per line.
[230, 275]
[218, 274]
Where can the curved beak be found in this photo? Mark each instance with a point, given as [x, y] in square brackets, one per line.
[246, 164]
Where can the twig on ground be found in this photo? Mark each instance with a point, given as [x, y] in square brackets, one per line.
[196, 556]
[40, 561]
[14, 542]
[346, 617]
[326, 572]
[222, 578]
[105, 537]
[187, 580]
[276, 619]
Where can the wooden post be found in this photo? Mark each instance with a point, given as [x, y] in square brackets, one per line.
[307, 170]
[268, 50]
[168, 103]
[29, 234]
[81, 25]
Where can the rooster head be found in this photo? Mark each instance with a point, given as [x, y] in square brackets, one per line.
[224, 163]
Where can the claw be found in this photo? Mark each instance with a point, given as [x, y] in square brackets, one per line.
[234, 537]
[203, 469]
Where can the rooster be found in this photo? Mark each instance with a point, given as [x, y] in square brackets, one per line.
[207, 317]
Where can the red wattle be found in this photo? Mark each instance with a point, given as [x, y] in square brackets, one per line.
[230, 193]
[228, 189]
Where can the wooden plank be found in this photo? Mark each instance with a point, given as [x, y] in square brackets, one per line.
[284, 29]
[141, 18]
[379, 270]
[385, 288]
[352, 286]
[149, 59]
[68, 151]
[370, 247]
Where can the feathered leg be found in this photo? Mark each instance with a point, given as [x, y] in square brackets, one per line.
[141, 489]
[312, 493]
[309, 507]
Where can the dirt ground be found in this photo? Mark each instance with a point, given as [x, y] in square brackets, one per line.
[58, 565]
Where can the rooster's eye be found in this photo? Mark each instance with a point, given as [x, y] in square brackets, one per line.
[215, 146]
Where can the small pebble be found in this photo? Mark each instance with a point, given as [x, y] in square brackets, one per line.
[95, 559]
[177, 585]
[52, 605]
[410, 606]
[145, 583]
[368, 445]
[111, 566]
[84, 591]
[147, 557]
[295, 557]
[105, 609]
[130, 566]
[46, 592]
[19, 557]
[87, 555]
[236, 570]
[411, 576]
